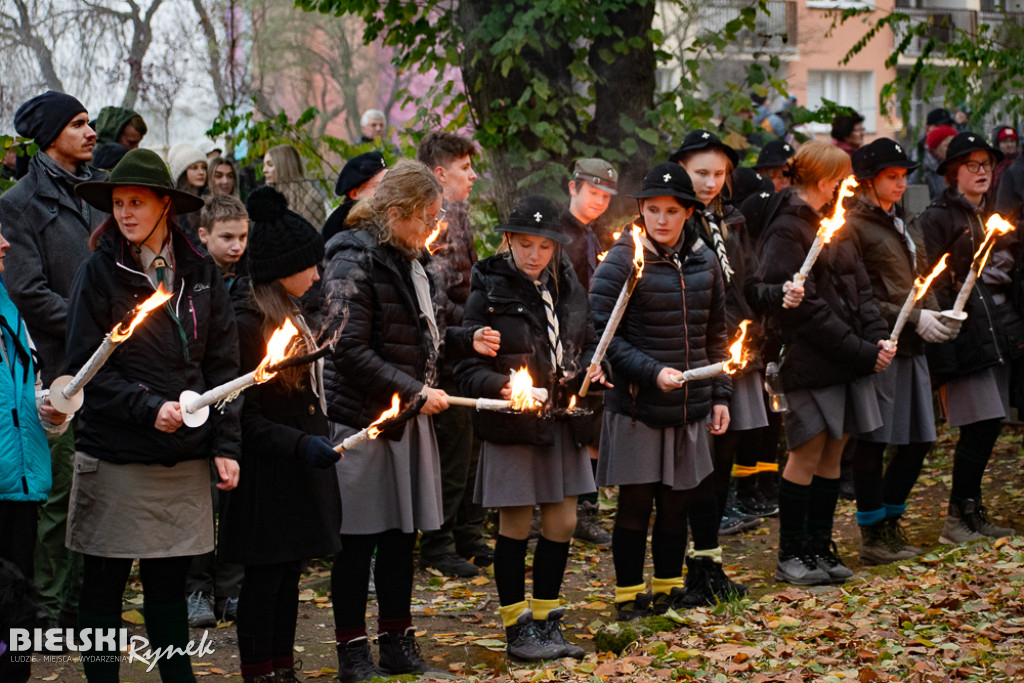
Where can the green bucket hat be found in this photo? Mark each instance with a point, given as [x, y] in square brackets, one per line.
[138, 168]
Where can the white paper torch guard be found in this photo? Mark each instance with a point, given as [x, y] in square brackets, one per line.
[196, 418]
[61, 402]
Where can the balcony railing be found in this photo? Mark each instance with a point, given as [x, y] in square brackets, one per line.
[950, 25]
[774, 32]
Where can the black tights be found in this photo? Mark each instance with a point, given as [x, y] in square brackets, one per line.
[104, 579]
[668, 538]
[973, 450]
[741, 447]
[876, 490]
[393, 575]
[268, 607]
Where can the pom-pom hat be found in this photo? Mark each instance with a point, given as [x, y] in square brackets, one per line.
[668, 179]
[281, 242]
[535, 215]
[138, 168]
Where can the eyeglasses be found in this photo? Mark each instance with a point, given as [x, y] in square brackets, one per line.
[978, 166]
[434, 222]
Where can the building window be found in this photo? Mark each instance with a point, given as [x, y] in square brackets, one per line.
[841, 4]
[849, 88]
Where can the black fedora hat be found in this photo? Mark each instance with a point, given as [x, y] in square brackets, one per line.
[138, 168]
[537, 215]
[700, 139]
[668, 179]
[965, 143]
[775, 153]
[872, 159]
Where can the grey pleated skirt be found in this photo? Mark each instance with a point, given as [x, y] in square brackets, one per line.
[634, 453]
[746, 407]
[517, 474]
[840, 409]
[904, 393]
[391, 484]
[143, 511]
[985, 395]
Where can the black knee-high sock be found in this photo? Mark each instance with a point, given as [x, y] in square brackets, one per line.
[973, 450]
[510, 569]
[867, 475]
[628, 550]
[589, 497]
[903, 471]
[724, 452]
[549, 560]
[793, 501]
[668, 551]
[821, 508]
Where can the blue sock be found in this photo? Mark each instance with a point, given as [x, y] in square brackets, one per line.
[895, 510]
[870, 517]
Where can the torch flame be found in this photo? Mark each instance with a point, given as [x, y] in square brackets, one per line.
[922, 284]
[277, 350]
[119, 334]
[432, 237]
[600, 257]
[736, 351]
[638, 250]
[393, 411]
[995, 226]
[522, 391]
[572, 403]
[830, 224]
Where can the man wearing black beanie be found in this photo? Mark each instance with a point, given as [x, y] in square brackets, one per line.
[48, 228]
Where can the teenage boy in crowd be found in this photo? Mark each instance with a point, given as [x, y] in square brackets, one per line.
[48, 228]
[460, 537]
[593, 183]
[224, 231]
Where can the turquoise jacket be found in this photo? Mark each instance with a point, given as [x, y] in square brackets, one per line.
[24, 453]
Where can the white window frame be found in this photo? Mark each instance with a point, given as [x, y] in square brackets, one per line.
[866, 104]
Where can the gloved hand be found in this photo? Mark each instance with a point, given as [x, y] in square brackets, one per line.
[320, 453]
[953, 325]
[932, 327]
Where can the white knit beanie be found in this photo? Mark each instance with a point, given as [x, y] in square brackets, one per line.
[180, 157]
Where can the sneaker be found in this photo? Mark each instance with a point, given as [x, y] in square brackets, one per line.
[588, 527]
[734, 521]
[450, 564]
[551, 629]
[526, 643]
[400, 653]
[226, 609]
[800, 569]
[750, 500]
[825, 554]
[707, 584]
[958, 527]
[880, 545]
[200, 610]
[355, 662]
[979, 521]
[637, 608]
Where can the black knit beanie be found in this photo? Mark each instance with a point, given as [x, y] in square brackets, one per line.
[281, 242]
[45, 116]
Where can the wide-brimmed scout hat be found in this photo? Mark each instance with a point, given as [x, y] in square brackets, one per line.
[138, 168]
[535, 215]
[965, 143]
[700, 139]
[598, 173]
[668, 179]
[774, 153]
[883, 153]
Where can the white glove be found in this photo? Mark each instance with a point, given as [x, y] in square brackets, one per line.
[932, 328]
[953, 325]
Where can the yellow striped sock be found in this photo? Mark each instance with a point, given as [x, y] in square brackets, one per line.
[665, 585]
[509, 613]
[767, 467]
[627, 593]
[744, 470]
[542, 607]
[714, 553]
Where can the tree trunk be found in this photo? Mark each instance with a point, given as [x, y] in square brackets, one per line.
[142, 36]
[26, 32]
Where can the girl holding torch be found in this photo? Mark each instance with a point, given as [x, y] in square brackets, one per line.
[975, 369]
[832, 342]
[654, 443]
[894, 256]
[386, 318]
[287, 507]
[141, 487]
[529, 293]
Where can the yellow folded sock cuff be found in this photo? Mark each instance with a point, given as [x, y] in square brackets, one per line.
[627, 593]
[744, 471]
[767, 467]
[509, 613]
[665, 585]
[714, 553]
[541, 608]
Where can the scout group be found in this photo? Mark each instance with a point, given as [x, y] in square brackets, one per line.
[387, 298]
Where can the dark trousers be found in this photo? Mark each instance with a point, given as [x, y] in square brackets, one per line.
[267, 611]
[58, 572]
[462, 529]
[208, 573]
[18, 539]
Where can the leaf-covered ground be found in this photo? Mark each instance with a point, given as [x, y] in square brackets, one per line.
[955, 614]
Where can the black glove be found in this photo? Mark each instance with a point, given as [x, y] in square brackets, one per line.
[320, 453]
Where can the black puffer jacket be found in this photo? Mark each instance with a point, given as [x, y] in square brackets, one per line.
[283, 509]
[891, 266]
[195, 348]
[383, 343]
[951, 224]
[504, 299]
[675, 318]
[832, 336]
